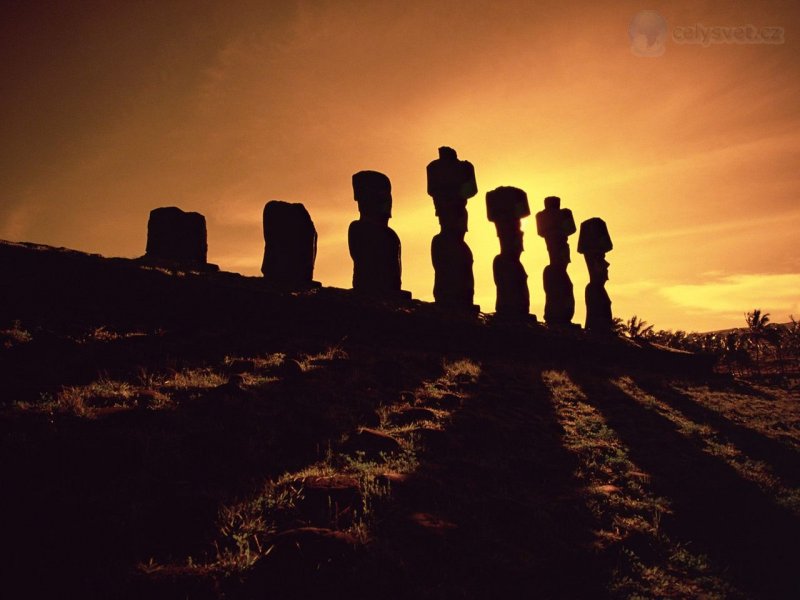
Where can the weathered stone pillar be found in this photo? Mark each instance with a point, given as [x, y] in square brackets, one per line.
[374, 246]
[176, 236]
[505, 207]
[451, 182]
[290, 246]
[555, 225]
[593, 242]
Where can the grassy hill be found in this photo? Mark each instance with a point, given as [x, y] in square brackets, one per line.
[170, 434]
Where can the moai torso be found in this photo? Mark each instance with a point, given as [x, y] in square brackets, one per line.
[555, 225]
[290, 246]
[505, 207]
[374, 246]
[175, 235]
[451, 182]
[593, 242]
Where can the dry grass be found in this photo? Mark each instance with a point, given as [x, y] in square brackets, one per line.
[761, 416]
[628, 513]
[15, 335]
[187, 379]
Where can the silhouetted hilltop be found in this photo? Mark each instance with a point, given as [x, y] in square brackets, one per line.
[177, 433]
[70, 290]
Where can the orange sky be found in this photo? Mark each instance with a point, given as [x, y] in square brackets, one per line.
[690, 157]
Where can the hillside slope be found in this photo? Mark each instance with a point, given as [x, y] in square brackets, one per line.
[172, 434]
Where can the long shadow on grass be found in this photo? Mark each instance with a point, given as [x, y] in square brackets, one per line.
[783, 460]
[87, 499]
[715, 511]
[493, 510]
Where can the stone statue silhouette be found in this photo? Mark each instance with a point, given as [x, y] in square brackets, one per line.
[374, 246]
[593, 243]
[505, 207]
[176, 236]
[290, 246]
[555, 225]
[451, 182]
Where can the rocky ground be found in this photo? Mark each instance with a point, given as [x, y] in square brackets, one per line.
[169, 434]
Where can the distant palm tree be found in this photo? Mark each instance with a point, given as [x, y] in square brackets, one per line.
[736, 353]
[618, 326]
[775, 336]
[757, 324]
[793, 337]
[638, 329]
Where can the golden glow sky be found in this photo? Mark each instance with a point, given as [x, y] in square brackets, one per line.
[112, 109]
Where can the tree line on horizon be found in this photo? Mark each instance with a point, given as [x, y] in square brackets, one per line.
[757, 347]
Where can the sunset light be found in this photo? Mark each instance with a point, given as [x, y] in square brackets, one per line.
[690, 156]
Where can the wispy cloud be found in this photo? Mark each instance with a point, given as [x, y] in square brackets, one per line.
[714, 228]
[777, 293]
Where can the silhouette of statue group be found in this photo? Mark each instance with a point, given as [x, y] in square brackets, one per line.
[290, 246]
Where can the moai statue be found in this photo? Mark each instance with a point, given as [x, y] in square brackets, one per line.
[555, 225]
[451, 182]
[176, 236]
[505, 207]
[593, 243]
[374, 246]
[290, 246]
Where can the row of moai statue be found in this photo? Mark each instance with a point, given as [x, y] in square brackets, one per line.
[451, 182]
[290, 246]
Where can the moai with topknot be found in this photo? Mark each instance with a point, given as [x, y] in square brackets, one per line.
[451, 182]
[506, 207]
[593, 242]
[374, 246]
[555, 225]
[290, 246]
[176, 236]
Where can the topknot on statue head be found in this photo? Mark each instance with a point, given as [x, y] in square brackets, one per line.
[373, 192]
[507, 203]
[552, 203]
[451, 179]
[594, 237]
[555, 222]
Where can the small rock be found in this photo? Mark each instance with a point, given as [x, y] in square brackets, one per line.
[465, 379]
[408, 398]
[432, 439]
[432, 523]
[448, 402]
[412, 415]
[390, 478]
[290, 369]
[304, 550]
[232, 387]
[330, 499]
[372, 443]
[242, 366]
[235, 382]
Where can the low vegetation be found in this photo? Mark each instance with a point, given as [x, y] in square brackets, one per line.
[760, 348]
[226, 459]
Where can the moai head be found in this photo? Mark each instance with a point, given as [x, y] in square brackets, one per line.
[555, 225]
[593, 242]
[451, 182]
[175, 235]
[290, 245]
[505, 207]
[373, 192]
